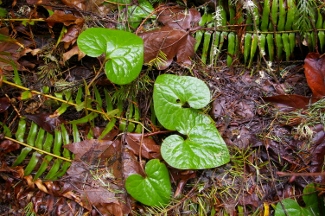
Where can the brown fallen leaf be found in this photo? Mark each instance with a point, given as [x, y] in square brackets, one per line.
[4, 103]
[71, 36]
[98, 171]
[315, 73]
[172, 42]
[7, 146]
[67, 19]
[73, 51]
[149, 148]
[46, 121]
[287, 102]
[179, 17]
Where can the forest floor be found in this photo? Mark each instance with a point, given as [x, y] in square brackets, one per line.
[276, 144]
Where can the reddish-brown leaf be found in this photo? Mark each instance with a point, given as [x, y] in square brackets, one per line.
[149, 148]
[318, 149]
[71, 36]
[75, 3]
[4, 103]
[7, 146]
[11, 51]
[287, 101]
[179, 18]
[44, 120]
[99, 163]
[91, 150]
[73, 51]
[172, 42]
[110, 136]
[315, 74]
[131, 164]
[66, 18]
[180, 177]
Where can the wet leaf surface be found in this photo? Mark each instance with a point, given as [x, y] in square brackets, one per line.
[263, 139]
[314, 70]
[4, 104]
[286, 101]
[154, 189]
[44, 120]
[173, 39]
[149, 149]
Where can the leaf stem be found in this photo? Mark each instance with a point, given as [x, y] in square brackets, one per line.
[69, 103]
[37, 149]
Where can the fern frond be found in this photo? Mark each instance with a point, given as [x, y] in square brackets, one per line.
[305, 15]
[159, 60]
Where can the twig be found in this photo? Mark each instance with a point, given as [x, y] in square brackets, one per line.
[300, 174]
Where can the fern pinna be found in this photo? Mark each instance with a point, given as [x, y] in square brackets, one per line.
[272, 30]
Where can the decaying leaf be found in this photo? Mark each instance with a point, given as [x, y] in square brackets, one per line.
[179, 18]
[173, 39]
[315, 73]
[67, 19]
[11, 51]
[104, 164]
[71, 36]
[7, 146]
[149, 148]
[4, 104]
[285, 102]
[73, 51]
[44, 120]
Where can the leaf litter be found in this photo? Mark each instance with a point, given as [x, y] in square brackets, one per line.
[285, 135]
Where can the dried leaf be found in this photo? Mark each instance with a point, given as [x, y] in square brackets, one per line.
[66, 18]
[180, 177]
[315, 73]
[75, 3]
[179, 18]
[131, 164]
[90, 151]
[4, 103]
[44, 120]
[172, 42]
[7, 146]
[73, 51]
[71, 36]
[99, 195]
[149, 148]
[285, 101]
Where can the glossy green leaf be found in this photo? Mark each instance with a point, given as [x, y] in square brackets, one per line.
[292, 208]
[203, 148]
[176, 99]
[32, 163]
[154, 189]
[138, 12]
[3, 12]
[123, 52]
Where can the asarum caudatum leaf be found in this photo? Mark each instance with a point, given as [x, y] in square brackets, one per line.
[154, 189]
[176, 102]
[123, 52]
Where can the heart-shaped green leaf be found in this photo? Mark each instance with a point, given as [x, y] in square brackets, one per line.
[154, 189]
[292, 208]
[123, 52]
[203, 148]
[176, 99]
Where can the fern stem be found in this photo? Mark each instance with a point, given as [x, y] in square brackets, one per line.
[69, 103]
[37, 149]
